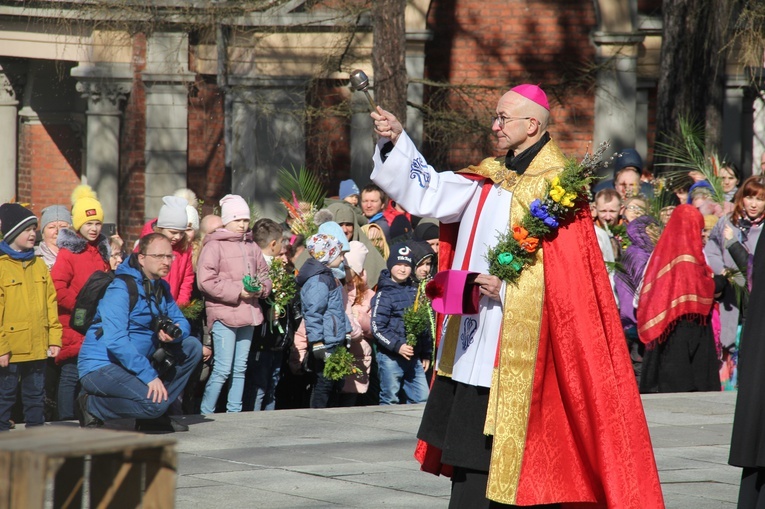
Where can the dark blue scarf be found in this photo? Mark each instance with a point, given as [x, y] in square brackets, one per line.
[23, 256]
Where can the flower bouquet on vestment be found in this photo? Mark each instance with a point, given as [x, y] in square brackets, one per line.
[567, 193]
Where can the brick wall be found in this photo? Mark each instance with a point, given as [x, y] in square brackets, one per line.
[496, 44]
[207, 175]
[132, 145]
[49, 163]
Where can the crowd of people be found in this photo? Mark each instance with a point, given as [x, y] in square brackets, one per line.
[260, 347]
[682, 321]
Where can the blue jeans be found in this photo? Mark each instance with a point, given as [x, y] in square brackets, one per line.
[397, 373]
[231, 346]
[324, 389]
[261, 379]
[68, 388]
[32, 374]
[116, 393]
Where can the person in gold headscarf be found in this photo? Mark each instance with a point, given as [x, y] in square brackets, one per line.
[534, 402]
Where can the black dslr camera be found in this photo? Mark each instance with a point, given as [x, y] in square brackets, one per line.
[166, 325]
[163, 360]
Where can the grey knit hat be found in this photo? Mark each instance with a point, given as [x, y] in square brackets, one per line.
[55, 213]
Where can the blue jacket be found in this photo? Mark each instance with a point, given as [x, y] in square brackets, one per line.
[388, 306]
[321, 297]
[127, 337]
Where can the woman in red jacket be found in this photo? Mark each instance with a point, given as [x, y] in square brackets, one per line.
[82, 251]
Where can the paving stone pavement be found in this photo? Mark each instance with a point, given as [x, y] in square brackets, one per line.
[362, 457]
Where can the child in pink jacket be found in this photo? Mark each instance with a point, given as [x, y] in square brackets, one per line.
[228, 255]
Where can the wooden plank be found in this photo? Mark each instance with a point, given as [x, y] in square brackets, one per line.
[120, 462]
[66, 441]
[5, 479]
[115, 481]
[69, 483]
[28, 476]
[161, 473]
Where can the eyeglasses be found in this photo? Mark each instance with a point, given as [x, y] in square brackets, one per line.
[635, 208]
[502, 120]
[119, 254]
[169, 258]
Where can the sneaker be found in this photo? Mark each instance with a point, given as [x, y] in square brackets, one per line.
[87, 420]
[165, 423]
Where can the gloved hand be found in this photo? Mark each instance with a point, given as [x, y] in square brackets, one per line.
[319, 351]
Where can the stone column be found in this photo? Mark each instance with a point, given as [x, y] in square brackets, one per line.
[268, 134]
[9, 94]
[738, 118]
[616, 98]
[167, 80]
[105, 87]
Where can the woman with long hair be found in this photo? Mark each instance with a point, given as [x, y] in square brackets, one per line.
[746, 221]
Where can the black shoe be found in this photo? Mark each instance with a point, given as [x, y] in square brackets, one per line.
[87, 420]
[164, 424]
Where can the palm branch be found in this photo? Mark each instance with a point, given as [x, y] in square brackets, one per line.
[686, 151]
[737, 280]
[301, 183]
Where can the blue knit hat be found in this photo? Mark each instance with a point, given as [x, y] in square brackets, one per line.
[400, 253]
[701, 184]
[347, 188]
[334, 229]
[628, 157]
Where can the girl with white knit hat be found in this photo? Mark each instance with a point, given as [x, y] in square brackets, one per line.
[172, 222]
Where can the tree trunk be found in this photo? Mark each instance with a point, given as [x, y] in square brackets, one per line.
[692, 68]
[388, 56]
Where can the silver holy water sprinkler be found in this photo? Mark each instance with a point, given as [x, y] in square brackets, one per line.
[360, 82]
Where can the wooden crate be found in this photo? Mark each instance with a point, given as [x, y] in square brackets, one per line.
[114, 468]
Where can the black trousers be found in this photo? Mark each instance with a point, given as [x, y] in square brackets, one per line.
[469, 492]
[751, 494]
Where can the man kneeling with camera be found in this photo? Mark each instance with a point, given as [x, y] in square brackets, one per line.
[137, 355]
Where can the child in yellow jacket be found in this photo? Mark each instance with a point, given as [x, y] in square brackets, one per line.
[29, 327]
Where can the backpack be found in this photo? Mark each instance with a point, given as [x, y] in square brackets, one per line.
[90, 295]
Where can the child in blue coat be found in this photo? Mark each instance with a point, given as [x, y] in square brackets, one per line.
[400, 365]
[321, 298]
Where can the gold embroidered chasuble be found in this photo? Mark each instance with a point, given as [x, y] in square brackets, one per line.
[513, 377]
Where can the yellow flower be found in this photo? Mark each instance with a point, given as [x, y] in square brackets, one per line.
[568, 200]
[557, 193]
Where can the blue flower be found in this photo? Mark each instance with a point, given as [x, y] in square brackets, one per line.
[540, 211]
[551, 222]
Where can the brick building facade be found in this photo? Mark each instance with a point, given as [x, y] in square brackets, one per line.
[147, 116]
